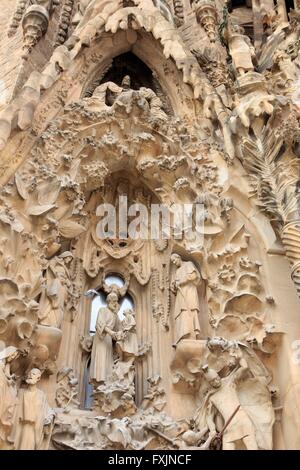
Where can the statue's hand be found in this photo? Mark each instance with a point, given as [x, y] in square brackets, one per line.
[120, 335]
[114, 336]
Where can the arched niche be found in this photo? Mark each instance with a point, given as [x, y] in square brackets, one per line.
[147, 50]
[128, 64]
[93, 62]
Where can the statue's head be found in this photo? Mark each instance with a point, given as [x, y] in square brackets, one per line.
[212, 377]
[129, 311]
[176, 259]
[66, 256]
[126, 82]
[34, 376]
[238, 29]
[112, 302]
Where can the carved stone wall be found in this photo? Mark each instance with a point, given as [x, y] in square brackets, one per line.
[211, 339]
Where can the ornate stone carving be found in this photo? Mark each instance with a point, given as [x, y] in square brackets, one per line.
[35, 24]
[179, 352]
[66, 391]
[206, 14]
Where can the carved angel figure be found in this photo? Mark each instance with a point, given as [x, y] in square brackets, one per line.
[102, 350]
[244, 394]
[187, 306]
[35, 417]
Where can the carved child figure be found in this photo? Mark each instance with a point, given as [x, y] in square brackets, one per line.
[127, 345]
[241, 50]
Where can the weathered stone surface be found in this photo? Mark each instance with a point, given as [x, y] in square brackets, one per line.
[154, 341]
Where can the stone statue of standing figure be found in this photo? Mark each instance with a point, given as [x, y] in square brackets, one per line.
[102, 350]
[8, 394]
[35, 417]
[241, 49]
[187, 308]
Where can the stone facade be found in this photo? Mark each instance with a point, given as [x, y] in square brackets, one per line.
[161, 103]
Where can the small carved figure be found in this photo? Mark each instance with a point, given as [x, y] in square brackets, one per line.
[186, 310]
[156, 395]
[35, 417]
[102, 350]
[55, 296]
[8, 394]
[241, 50]
[109, 93]
[67, 388]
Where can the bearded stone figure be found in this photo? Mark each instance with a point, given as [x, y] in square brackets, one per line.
[186, 310]
[102, 350]
[34, 416]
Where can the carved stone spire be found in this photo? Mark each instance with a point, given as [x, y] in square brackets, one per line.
[35, 24]
[206, 15]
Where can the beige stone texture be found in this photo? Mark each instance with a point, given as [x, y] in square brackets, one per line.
[115, 334]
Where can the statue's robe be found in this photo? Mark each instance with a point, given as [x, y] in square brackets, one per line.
[240, 51]
[33, 413]
[8, 402]
[53, 298]
[102, 350]
[186, 310]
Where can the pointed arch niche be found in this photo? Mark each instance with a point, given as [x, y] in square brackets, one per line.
[140, 56]
[128, 64]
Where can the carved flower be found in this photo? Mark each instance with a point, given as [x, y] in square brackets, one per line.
[247, 264]
[208, 172]
[226, 273]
